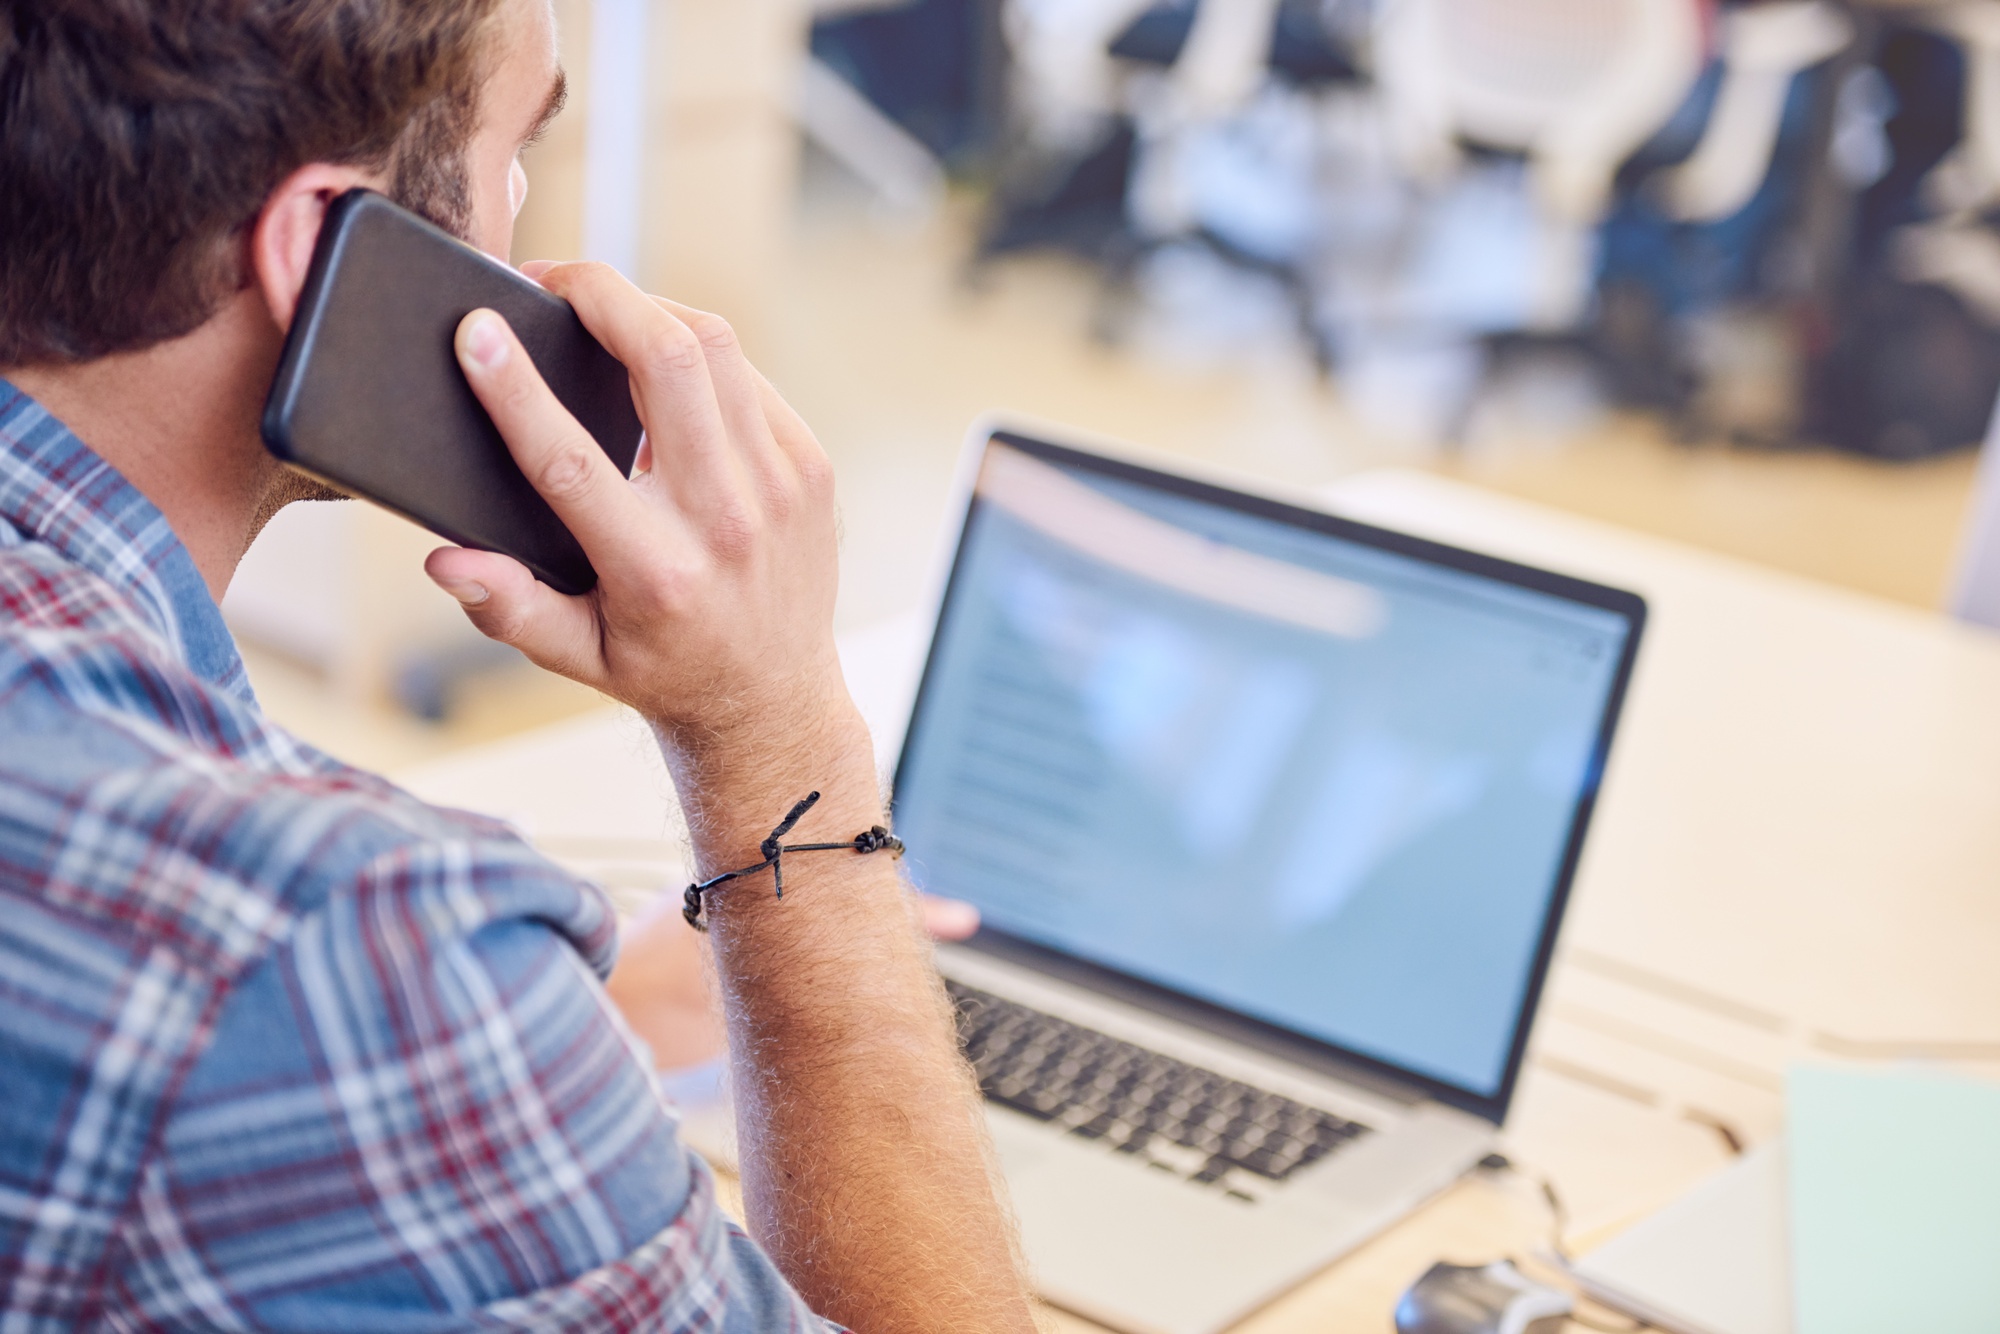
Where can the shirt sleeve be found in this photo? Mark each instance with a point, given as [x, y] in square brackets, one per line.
[423, 1114]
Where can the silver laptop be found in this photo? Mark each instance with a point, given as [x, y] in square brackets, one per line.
[1271, 817]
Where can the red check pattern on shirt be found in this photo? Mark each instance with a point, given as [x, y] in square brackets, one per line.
[282, 1047]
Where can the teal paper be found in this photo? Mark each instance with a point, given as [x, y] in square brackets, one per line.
[1895, 1183]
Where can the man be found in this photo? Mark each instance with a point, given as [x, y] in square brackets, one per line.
[280, 1046]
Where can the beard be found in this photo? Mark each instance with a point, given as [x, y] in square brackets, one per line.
[288, 485]
[429, 173]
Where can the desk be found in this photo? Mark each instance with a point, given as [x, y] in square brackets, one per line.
[1797, 857]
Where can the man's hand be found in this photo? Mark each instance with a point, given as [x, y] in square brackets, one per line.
[717, 560]
[866, 1171]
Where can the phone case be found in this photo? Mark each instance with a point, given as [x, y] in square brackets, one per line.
[370, 398]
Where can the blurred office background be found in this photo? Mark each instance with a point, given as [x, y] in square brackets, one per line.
[1726, 272]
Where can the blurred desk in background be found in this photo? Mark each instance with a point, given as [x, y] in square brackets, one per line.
[1794, 859]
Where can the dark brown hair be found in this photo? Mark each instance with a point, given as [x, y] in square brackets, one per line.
[139, 139]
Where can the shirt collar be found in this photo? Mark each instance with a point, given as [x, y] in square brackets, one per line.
[56, 490]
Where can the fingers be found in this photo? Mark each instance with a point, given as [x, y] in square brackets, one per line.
[768, 428]
[560, 459]
[739, 389]
[722, 448]
[711, 417]
[692, 451]
[947, 919]
[507, 603]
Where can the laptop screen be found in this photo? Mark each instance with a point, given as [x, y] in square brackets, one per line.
[1326, 778]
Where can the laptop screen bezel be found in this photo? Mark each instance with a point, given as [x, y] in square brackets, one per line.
[1287, 1043]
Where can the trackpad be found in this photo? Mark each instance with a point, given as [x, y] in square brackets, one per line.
[1143, 1249]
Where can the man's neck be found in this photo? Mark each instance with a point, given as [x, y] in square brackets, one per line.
[179, 421]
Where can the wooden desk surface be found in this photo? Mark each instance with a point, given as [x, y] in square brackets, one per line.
[1797, 857]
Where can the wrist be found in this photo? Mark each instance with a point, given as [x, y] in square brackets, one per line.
[737, 782]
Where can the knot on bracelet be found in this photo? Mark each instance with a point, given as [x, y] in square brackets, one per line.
[774, 848]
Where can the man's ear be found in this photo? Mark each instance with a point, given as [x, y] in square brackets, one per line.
[281, 243]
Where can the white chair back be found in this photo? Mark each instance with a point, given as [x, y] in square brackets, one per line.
[1763, 49]
[1574, 84]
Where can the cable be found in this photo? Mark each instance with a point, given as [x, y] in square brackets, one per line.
[1558, 1219]
[1558, 1225]
[1729, 1134]
[1558, 1212]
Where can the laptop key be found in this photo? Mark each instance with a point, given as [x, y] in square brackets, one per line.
[1215, 1169]
[1179, 1117]
[1099, 1126]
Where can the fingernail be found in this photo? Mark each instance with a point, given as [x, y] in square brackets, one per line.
[487, 346]
[466, 591]
[948, 916]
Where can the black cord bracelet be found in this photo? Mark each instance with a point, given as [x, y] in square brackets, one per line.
[774, 849]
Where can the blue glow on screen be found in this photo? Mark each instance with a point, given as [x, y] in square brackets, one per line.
[1319, 783]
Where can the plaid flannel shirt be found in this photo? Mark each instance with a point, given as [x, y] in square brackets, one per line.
[280, 1046]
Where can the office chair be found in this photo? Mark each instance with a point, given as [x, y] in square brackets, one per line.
[1968, 180]
[1914, 362]
[1185, 123]
[1575, 85]
[1763, 48]
[1505, 123]
[1572, 86]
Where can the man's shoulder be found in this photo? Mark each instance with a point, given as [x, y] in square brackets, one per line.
[71, 636]
[147, 805]
[153, 820]
[162, 845]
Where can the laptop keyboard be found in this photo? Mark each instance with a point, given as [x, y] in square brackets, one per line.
[1179, 1117]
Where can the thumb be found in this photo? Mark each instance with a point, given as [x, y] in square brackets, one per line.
[506, 603]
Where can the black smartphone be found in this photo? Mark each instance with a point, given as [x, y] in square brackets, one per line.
[369, 396]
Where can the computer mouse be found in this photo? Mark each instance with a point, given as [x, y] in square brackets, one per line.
[1487, 1299]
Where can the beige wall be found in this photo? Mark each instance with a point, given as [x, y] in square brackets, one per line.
[551, 223]
[720, 161]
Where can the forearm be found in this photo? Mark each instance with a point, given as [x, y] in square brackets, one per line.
[865, 1160]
